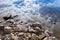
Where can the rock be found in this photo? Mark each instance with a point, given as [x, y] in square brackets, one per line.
[0, 39]
[16, 29]
[36, 25]
[1, 21]
[10, 21]
[7, 29]
[50, 38]
[2, 27]
[21, 38]
[7, 17]
[14, 37]
[0, 36]
[15, 16]
[48, 33]
[7, 37]
[20, 34]
[27, 35]
[35, 37]
[32, 30]
[38, 29]
[20, 28]
[42, 36]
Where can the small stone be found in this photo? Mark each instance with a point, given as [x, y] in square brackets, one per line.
[42, 36]
[7, 29]
[14, 37]
[0, 21]
[22, 28]
[27, 35]
[20, 34]
[10, 20]
[50, 38]
[32, 30]
[0, 39]
[38, 29]
[36, 25]
[7, 37]
[35, 37]
[1, 27]
[48, 33]
[16, 29]
[46, 38]
[7, 23]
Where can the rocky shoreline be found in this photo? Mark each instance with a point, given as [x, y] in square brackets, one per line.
[11, 30]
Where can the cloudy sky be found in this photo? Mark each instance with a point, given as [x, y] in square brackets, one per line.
[20, 5]
[26, 7]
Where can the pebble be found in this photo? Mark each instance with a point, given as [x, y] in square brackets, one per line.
[20, 34]
[0, 39]
[32, 30]
[16, 29]
[1, 27]
[50, 38]
[35, 37]
[42, 36]
[7, 29]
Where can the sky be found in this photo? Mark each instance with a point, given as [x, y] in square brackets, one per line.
[26, 7]
[21, 2]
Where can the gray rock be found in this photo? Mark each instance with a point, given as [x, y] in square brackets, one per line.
[7, 29]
